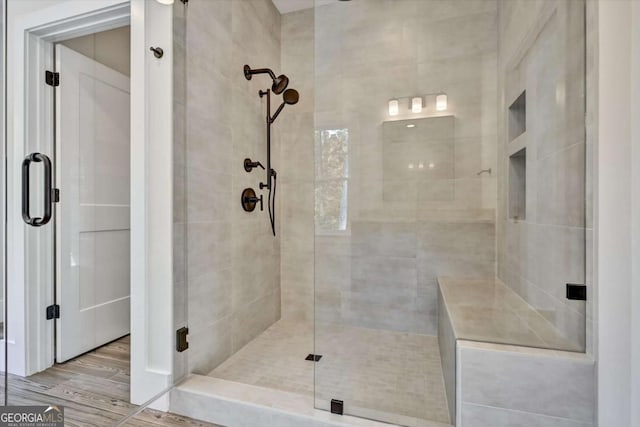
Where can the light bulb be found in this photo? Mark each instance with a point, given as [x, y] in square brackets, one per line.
[411, 126]
[441, 102]
[416, 104]
[393, 107]
[165, 1]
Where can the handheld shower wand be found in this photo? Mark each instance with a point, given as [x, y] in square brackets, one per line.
[290, 97]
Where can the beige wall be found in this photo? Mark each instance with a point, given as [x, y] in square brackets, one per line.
[542, 52]
[232, 260]
[111, 48]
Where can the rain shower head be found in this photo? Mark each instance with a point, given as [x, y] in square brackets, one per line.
[280, 82]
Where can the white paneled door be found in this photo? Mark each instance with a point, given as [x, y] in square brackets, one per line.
[92, 227]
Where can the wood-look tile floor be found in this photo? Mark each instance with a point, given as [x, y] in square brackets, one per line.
[94, 390]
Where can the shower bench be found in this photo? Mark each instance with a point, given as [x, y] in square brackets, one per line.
[498, 366]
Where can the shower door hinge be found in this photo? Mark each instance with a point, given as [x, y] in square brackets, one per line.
[337, 406]
[181, 339]
[53, 312]
[52, 78]
[576, 292]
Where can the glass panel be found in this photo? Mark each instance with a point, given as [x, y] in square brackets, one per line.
[3, 204]
[180, 231]
[450, 193]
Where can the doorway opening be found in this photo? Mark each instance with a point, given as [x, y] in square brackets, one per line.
[89, 83]
[92, 158]
[59, 270]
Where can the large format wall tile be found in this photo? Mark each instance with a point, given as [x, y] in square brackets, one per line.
[416, 206]
[482, 416]
[295, 166]
[384, 274]
[546, 384]
[232, 260]
[542, 53]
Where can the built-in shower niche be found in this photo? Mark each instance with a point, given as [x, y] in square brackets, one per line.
[518, 185]
[518, 116]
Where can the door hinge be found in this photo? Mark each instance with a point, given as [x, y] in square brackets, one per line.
[55, 195]
[181, 339]
[576, 292]
[52, 78]
[53, 312]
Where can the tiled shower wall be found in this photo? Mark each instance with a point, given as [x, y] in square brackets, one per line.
[296, 166]
[403, 231]
[542, 52]
[231, 274]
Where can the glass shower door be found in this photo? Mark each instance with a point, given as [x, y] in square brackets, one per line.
[449, 157]
[398, 147]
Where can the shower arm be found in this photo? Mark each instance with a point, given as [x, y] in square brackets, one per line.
[264, 71]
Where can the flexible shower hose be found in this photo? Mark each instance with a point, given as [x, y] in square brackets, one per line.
[272, 203]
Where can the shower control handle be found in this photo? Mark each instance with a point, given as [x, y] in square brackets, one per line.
[249, 165]
[256, 199]
[250, 200]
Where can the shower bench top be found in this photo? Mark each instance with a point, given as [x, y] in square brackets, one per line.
[486, 310]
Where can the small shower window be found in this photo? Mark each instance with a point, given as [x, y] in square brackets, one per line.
[332, 180]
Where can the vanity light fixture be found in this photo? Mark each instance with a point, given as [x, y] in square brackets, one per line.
[416, 104]
[394, 107]
[441, 102]
[169, 2]
[411, 126]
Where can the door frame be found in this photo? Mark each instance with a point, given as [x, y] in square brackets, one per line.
[30, 290]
